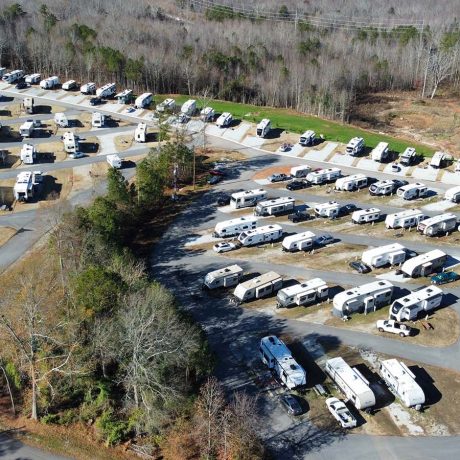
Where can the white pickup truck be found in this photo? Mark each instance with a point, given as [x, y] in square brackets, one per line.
[393, 327]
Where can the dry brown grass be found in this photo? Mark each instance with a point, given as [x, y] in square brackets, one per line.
[6, 233]
[123, 142]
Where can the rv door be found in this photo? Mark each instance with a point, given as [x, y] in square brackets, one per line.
[426, 269]
[369, 304]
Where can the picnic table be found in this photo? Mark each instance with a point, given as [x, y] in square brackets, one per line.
[427, 326]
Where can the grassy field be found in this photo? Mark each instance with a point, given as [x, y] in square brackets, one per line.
[298, 123]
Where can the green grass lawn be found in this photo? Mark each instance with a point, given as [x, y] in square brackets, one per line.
[299, 123]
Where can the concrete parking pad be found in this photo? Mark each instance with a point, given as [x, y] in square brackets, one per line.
[321, 155]
[342, 160]
[238, 133]
[295, 151]
[451, 178]
[254, 141]
[370, 165]
[425, 174]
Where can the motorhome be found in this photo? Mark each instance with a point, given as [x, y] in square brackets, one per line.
[355, 146]
[390, 254]
[380, 152]
[26, 185]
[107, 91]
[223, 278]
[278, 358]
[351, 382]
[404, 219]
[27, 129]
[114, 161]
[29, 105]
[365, 216]
[207, 114]
[88, 88]
[275, 207]
[259, 287]
[61, 120]
[351, 183]
[71, 142]
[125, 97]
[13, 77]
[69, 85]
[234, 226]
[438, 225]
[140, 133]
[331, 209]
[421, 301]
[260, 235]
[263, 128]
[28, 154]
[189, 107]
[323, 176]
[440, 160]
[307, 293]
[424, 264]
[307, 138]
[247, 199]
[408, 157]
[50, 82]
[224, 120]
[453, 194]
[168, 105]
[384, 187]
[401, 381]
[97, 120]
[412, 191]
[143, 101]
[298, 172]
[363, 299]
[298, 242]
[33, 79]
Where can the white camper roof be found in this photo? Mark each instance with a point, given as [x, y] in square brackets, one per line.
[263, 124]
[308, 134]
[348, 375]
[382, 250]
[415, 185]
[294, 169]
[233, 222]
[365, 212]
[23, 182]
[409, 265]
[439, 218]
[276, 201]
[297, 237]
[264, 229]
[329, 204]
[222, 272]
[187, 105]
[364, 289]
[450, 193]
[405, 378]
[27, 125]
[351, 178]
[322, 172]
[404, 214]
[141, 127]
[265, 278]
[124, 93]
[207, 111]
[314, 283]
[26, 148]
[415, 297]
[355, 141]
[246, 193]
[380, 148]
[408, 152]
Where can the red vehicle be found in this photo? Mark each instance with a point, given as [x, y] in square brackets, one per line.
[216, 172]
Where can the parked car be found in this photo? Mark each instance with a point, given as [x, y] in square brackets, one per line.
[444, 278]
[278, 177]
[359, 266]
[291, 404]
[297, 184]
[389, 325]
[324, 240]
[341, 413]
[223, 200]
[395, 167]
[76, 155]
[224, 247]
[285, 147]
[213, 180]
[348, 209]
[22, 85]
[299, 216]
[95, 101]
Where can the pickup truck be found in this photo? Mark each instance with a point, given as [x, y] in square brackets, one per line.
[299, 216]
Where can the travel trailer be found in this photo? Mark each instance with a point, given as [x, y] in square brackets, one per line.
[125, 97]
[143, 101]
[298, 172]
[50, 82]
[363, 299]
[88, 88]
[259, 287]
[223, 278]
[28, 154]
[390, 254]
[168, 105]
[307, 293]
[71, 142]
[33, 78]
[331, 209]
[453, 194]
[140, 133]
[381, 152]
[27, 129]
[364, 216]
[61, 120]
[107, 91]
[412, 191]
[424, 264]
[69, 85]
[29, 106]
[420, 301]
[2, 71]
[323, 176]
[277, 357]
[26, 185]
[189, 107]
[260, 235]
[114, 161]
[13, 77]
[207, 114]
[438, 225]
[298, 242]
[401, 382]
[351, 382]
[440, 160]
[247, 199]
[384, 187]
[224, 120]
[351, 183]
[404, 219]
[97, 120]
[355, 146]
[307, 138]
[408, 157]
[275, 207]
[263, 128]
[234, 226]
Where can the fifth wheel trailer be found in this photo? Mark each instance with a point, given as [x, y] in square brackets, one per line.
[307, 138]
[223, 277]
[404, 219]
[420, 301]
[247, 199]
[259, 287]
[224, 120]
[13, 76]
[50, 82]
[234, 226]
[107, 91]
[309, 292]
[381, 152]
[391, 254]
[260, 235]
[351, 183]
[143, 101]
[300, 171]
[424, 264]
[275, 207]
[438, 225]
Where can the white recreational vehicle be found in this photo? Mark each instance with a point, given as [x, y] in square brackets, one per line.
[26, 184]
[50, 82]
[143, 101]
[422, 300]
[13, 76]
[33, 78]
[61, 120]
[224, 120]
[362, 299]
[140, 133]
[412, 191]
[300, 171]
[71, 142]
[351, 382]
[438, 225]
[223, 278]
[408, 157]
[331, 209]
[261, 286]
[355, 146]
[27, 129]
[381, 152]
[440, 160]
[324, 175]
[298, 242]
[391, 254]
[453, 194]
[401, 382]
[168, 105]
[404, 219]
[384, 187]
[125, 97]
[247, 199]
[189, 107]
[424, 264]
[28, 154]
[98, 120]
[2, 71]
[351, 183]
[107, 91]
[234, 226]
[260, 235]
[29, 105]
[312, 291]
[88, 88]
[275, 207]
[364, 216]
[207, 114]
[69, 85]
[307, 138]
[114, 161]
[277, 356]
[263, 128]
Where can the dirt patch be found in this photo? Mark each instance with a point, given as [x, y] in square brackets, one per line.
[6, 233]
[219, 155]
[123, 142]
[51, 152]
[272, 145]
[269, 171]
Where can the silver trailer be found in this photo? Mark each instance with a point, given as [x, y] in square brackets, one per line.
[438, 225]
[424, 264]
[259, 287]
[223, 278]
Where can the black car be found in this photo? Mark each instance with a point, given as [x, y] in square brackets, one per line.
[22, 85]
[213, 180]
[95, 101]
[297, 185]
[299, 216]
[348, 209]
[223, 200]
[360, 267]
[291, 404]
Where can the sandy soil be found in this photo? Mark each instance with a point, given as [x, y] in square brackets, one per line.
[6, 233]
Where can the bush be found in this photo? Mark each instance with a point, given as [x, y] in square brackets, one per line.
[113, 431]
[50, 419]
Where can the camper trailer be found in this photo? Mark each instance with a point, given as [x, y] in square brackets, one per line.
[307, 138]
[438, 225]
[207, 114]
[385, 187]
[71, 142]
[351, 382]
[331, 209]
[424, 264]
[381, 152]
[401, 382]
[247, 199]
[298, 242]
[260, 235]
[125, 97]
[114, 161]
[143, 101]
[234, 226]
[263, 128]
[453, 194]
[27, 129]
[351, 183]
[355, 146]
[28, 154]
[390, 254]
[61, 120]
[298, 172]
[223, 278]
[97, 120]
[26, 185]
[404, 219]
[189, 108]
[29, 106]
[363, 299]
[107, 91]
[277, 357]
[275, 207]
[307, 293]
[50, 82]
[421, 301]
[2, 71]
[69, 85]
[440, 160]
[224, 120]
[323, 176]
[408, 157]
[140, 133]
[365, 216]
[259, 287]
[168, 105]
[33, 79]
[412, 191]
[13, 77]
[88, 88]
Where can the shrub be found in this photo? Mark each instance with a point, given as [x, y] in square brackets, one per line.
[113, 431]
